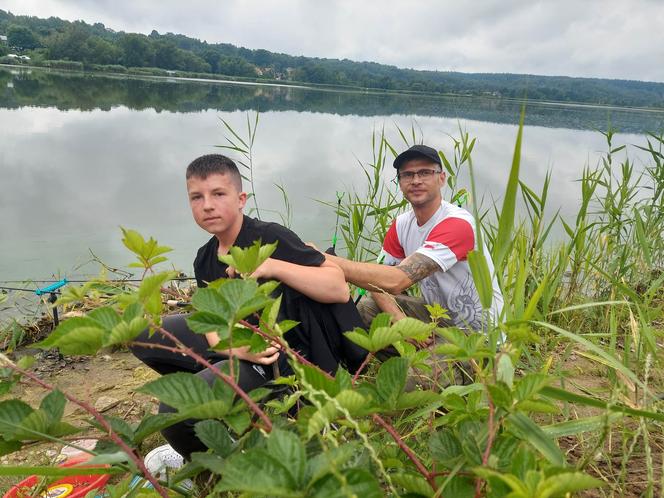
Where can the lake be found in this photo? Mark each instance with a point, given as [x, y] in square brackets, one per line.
[82, 155]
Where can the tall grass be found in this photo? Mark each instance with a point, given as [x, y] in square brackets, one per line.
[596, 294]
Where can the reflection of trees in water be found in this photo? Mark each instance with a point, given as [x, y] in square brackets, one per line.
[88, 92]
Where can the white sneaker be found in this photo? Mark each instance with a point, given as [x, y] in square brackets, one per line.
[164, 460]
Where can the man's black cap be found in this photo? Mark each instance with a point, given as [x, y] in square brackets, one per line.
[415, 152]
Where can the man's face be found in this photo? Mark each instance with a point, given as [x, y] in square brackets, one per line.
[215, 202]
[421, 190]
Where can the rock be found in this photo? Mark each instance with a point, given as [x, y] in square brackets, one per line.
[104, 403]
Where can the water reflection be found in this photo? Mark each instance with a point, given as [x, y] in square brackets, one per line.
[80, 156]
[73, 91]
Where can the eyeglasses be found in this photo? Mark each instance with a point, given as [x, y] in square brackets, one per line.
[424, 174]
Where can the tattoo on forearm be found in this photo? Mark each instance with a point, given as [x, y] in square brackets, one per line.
[417, 266]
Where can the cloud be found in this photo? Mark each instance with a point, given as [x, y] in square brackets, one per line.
[610, 39]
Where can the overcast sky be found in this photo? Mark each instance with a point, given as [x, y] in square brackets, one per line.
[594, 38]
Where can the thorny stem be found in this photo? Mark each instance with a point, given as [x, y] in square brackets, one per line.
[406, 449]
[98, 417]
[377, 418]
[226, 378]
[362, 367]
[489, 444]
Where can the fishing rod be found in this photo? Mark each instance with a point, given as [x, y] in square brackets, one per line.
[332, 250]
[461, 197]
[52, 290]
[340, 196]
[116, 280]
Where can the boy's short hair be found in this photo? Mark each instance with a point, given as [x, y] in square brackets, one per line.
[211, 164]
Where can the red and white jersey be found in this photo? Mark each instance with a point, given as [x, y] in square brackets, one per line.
[446, 238]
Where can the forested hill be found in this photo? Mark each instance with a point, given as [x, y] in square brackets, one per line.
[58, 43]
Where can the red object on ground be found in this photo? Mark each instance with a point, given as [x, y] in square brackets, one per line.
[69, 487]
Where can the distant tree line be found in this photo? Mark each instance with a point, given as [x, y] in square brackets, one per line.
[74, 90]
[95, 46]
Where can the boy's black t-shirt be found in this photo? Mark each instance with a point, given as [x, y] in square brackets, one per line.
[290, 247]
[319, 335]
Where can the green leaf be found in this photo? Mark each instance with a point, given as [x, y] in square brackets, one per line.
[530, 385]
[152, 284]
[412, 483]
[286, 447]
[567, 482]
[561, 394]
[209, 300]
[179, 390]
[383, 337]
[109, 458]
[353, 401]
[318, 380]
[412, 328]
[538, 406]
[531, 432]
[12, 412]
[53, 404]
[356, 482]
[132, 311]
[255, 472]
[391, 380]
[445, 447]
[535, 298]
[202, 322]
[500, 394]
[215, 436]
[246, 260]
[238, 422]
[503, 237]
[8, 447]
[359, 337]
[505, 369]
[125, 332]
[33, 427]
[77, 335]
[610, 360]
[417, 399]
[106, 316]
[380, 320]
[155, 423]
[479, 269]
[333, 457]
[586, 424]
[519, 489]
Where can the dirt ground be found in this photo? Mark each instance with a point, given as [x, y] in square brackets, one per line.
[107, 381]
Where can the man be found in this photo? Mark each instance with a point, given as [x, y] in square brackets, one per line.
[427, 245]
[314, 293]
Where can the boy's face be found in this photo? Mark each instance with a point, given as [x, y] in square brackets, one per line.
[215, 201]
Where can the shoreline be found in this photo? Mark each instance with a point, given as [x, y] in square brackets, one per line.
[194, 77]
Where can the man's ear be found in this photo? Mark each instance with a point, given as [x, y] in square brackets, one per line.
[443, 178]
[242, 198]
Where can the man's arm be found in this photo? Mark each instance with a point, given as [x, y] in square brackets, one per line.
[391, 279]
[325, 283]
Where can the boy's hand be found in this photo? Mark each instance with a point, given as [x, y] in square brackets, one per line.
[267, 357]
[265, 270]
